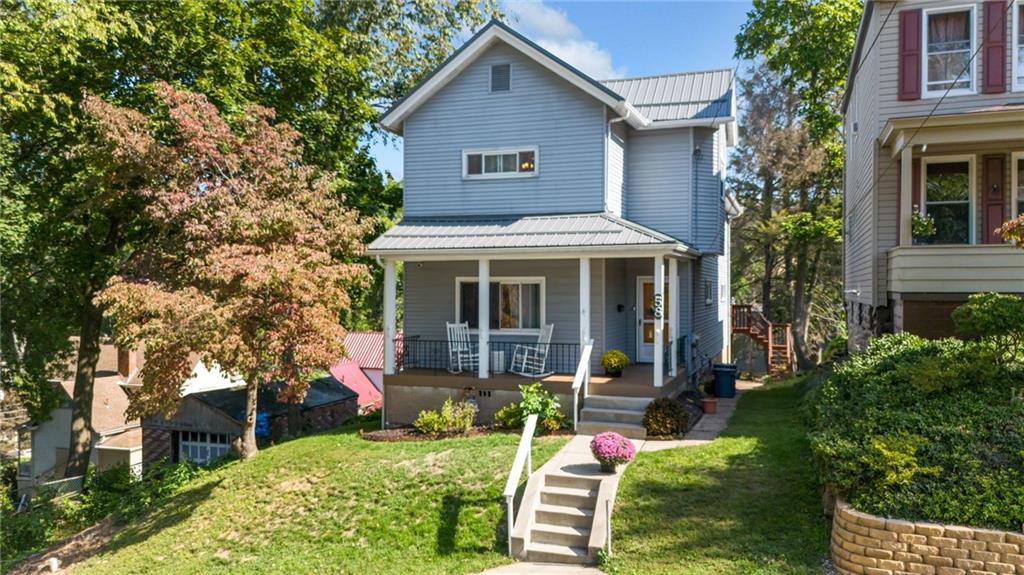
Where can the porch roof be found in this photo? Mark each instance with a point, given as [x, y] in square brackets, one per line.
[592, 232]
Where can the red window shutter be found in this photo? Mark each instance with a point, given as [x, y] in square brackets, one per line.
[910, 55]
[993, 62]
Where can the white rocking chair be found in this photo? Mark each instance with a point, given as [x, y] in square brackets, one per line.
[530, 360]
[462, 353]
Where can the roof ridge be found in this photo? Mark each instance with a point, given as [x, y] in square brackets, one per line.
[667, 74]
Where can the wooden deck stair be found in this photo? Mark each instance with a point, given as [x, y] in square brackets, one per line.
[775, 338]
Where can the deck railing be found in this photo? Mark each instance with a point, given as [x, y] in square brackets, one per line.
[523, 459]
[581, 379]
[435, 355]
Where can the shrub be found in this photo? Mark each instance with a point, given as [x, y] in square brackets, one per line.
[537, 400]
[453, 419]
[997, 318]
[614, 361]
[610, 448]
[509, 417]
[924, 430]
[553, 423]
[665, 416]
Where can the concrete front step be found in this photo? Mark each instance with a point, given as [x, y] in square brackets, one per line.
[630, 430]
[549, 553]
[634, 416]
[560, 535]
[568, 496]
[562, 515]
[577, 481]
[617, 402]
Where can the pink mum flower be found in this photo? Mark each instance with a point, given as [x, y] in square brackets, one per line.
[611, 448]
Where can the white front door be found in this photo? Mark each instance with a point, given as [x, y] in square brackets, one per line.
[645, 318]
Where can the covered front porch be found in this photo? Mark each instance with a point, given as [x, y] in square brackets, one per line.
[543, 300]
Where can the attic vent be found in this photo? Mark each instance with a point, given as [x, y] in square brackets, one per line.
[501, 77]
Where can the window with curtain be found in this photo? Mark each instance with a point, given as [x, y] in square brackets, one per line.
[948, 41]
[1018, 46]
[947, 201]
[514, 304]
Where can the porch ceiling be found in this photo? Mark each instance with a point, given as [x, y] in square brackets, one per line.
[518, 233]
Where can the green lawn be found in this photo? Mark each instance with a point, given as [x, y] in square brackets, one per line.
[746, 503]
[333, 503]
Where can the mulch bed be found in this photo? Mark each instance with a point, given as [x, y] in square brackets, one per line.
[409, 433]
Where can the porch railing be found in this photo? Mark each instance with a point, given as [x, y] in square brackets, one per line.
[680, 346]
[523, 459]
[434, 355]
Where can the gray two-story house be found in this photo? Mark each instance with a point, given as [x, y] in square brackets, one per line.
[590, 210]
[934, 127]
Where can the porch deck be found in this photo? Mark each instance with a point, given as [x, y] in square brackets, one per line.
[636, 381]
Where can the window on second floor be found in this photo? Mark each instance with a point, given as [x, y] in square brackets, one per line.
[501, 77]
[510, 163]
[946, 200]
[1018, 46]
[948, 47]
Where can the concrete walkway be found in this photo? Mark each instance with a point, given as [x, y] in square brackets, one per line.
[575, 457]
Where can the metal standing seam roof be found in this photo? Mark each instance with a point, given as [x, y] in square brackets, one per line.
[365, 348]
[493, 232]
[685, 96]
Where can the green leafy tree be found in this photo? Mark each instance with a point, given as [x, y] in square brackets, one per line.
[65, 233]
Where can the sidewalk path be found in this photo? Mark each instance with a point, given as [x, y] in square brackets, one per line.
[709, 426]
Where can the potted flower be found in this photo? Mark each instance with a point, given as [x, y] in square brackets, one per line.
[610, 449]
[708, 401]
[614, 362]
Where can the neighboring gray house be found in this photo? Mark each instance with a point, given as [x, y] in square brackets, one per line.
[934, 122]
[582, 204]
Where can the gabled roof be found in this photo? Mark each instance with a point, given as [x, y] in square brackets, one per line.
[497, 31]
[652, 102]
[353, 377]
[517, 232]
[677, 97]
[322, 391]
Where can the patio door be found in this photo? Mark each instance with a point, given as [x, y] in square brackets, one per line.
[645, 318]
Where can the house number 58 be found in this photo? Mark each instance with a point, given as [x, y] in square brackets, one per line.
[657, 306]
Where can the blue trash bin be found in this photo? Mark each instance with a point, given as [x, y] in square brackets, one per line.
[725, 380]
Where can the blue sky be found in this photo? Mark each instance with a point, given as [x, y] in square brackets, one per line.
[616, 39]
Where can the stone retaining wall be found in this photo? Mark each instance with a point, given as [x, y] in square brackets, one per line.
[864, 544]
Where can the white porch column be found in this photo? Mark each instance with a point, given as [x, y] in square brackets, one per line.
[584, 301]
[673, 311]
[906, 195]
[484, 318]
[659, 321]
[390, 297]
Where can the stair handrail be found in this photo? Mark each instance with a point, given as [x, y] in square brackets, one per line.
[581, 379]
[523, 459]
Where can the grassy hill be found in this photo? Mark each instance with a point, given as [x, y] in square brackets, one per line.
[332, 503]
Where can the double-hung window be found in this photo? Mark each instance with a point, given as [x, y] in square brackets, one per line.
[1017, 191]
[509, 163]
[948, 46]
[1018, 45]
[946, 199]
[516, 304]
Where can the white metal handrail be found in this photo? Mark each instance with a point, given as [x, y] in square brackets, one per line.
[523, 458]
[582, 377]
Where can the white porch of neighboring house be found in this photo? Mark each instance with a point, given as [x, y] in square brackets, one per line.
[591, 276]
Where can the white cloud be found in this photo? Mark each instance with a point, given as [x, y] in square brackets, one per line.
[552, 29]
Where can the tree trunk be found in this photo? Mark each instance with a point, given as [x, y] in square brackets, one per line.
[294, 419]
[767, 200]
[801, 307]
[249, 447]
[80, 447]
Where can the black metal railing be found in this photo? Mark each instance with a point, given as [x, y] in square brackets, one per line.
[680, 346]
[439, 355]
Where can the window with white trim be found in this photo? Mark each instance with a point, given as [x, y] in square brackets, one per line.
[201, 448]
[946, 200]
[948, 46]
[1018, 46]
[511, 163]
[1017, 191]
[516, 304]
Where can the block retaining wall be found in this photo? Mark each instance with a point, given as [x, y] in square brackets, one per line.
[864, 544]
